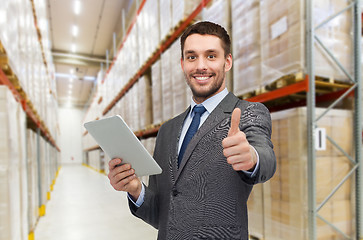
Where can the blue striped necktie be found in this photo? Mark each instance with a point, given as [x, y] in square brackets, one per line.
[193, 128]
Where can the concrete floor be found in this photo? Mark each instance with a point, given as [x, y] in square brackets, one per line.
[83, 205]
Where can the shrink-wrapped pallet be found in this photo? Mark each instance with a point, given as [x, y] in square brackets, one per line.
[246, 45]
[13, 188]
[218, 12]
[148, 25]
[128, 52]
[166, 85]
[181, 10]
[165, 18]
[178, 81]
[43, 175]
[134, 108]
[284, 199]
[144, 105]
[283, 38]
[157, 107]
[33, 190]
[127, 108]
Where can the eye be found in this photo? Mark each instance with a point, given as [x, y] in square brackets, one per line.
[211, 56]
[191, 57]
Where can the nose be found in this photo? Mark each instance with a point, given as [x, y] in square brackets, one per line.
[201, 64]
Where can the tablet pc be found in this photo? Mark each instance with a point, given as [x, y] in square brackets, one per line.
[117, 140]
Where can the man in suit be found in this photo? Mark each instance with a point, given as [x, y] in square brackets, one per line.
[203, 190]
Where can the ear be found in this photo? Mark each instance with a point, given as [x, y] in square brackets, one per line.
[228, 63]
[182, 63]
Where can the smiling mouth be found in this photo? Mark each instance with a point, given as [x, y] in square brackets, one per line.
[202, 79]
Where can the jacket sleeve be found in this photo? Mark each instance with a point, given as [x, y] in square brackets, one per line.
[148, 211]
[256, 124]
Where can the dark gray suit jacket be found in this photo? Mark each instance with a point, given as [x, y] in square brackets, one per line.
[205, 198]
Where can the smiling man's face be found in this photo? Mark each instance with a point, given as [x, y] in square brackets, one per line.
[205, 65]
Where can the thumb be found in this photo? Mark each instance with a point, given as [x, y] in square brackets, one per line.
[235, 119]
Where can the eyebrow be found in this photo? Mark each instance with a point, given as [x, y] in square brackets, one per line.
[208, 51]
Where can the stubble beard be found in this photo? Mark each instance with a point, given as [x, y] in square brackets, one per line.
[205, 93]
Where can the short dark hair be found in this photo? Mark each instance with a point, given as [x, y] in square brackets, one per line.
[207, 28]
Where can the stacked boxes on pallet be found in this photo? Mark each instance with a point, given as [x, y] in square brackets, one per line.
[165, 18]
[33, 190]
[145, 114]
[156, 92]
[166, 86]
[278, 209]
[180, 91]
[148, 29]
[246, 46]
[271, 43]
[283, 38]
[13, 187]
[181, 10]
[218, 12]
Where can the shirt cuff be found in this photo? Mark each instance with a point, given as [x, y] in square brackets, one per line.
[140, 200]
[252, 174]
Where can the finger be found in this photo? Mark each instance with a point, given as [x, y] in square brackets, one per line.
[113, 162]
[235, 119]
[234, 140]
[122, 185]
[119, 176]
[236, 150]
[119, 169]
[242, 166]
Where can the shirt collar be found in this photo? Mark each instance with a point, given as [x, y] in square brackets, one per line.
[211, 103]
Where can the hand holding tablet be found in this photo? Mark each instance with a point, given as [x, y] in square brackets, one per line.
[118, 141]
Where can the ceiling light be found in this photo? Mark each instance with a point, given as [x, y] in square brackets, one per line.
[89, 78]
[74, 31]
[77, 7]
[73, 48]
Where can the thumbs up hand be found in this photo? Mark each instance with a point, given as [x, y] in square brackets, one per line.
[236, 149]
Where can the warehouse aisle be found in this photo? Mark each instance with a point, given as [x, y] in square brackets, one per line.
[83, 205]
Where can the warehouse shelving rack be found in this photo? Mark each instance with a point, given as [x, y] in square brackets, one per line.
[8, 78]
[312, 119]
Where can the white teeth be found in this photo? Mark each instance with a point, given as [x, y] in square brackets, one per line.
[201, 78]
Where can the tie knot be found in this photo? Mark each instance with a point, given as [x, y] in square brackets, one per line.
[199, 109]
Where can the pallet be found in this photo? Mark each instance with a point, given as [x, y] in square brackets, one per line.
[323, 85]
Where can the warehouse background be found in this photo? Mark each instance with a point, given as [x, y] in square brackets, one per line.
[64, 63]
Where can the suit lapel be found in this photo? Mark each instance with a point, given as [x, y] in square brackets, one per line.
[174, 144]
[224, 108]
